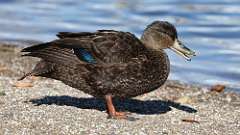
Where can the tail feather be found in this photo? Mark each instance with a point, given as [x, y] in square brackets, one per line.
[25, 75]
[35, 47]
[40, 69]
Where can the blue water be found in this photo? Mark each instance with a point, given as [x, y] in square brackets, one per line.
[210, 27]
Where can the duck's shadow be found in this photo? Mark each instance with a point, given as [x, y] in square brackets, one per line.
[130, 105]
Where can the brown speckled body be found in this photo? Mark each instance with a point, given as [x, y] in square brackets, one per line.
[124, 67]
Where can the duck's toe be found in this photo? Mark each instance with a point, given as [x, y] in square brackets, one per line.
[118, 115]
[122, 115]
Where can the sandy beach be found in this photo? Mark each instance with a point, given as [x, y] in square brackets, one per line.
[45, 106]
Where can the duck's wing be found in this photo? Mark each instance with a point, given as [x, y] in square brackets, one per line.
[73, 35]
[83, 34]
[103, 46]
[106, 46]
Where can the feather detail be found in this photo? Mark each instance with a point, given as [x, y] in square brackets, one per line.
[84, 55]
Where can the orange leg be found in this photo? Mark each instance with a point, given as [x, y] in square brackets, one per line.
[111, 109]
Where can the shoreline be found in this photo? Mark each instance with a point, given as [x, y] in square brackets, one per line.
[43, 106]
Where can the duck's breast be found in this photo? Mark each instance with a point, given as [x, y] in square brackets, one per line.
[142, 75]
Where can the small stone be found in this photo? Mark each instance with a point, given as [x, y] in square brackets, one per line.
[190, 120]
[218, 88]
[23, 84]
[3, 68]
[2, 93]
[184, 100]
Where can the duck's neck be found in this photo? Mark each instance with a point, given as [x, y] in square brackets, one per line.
[158, 56]
[148, 41]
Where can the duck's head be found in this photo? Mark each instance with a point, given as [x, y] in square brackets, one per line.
[161, 35]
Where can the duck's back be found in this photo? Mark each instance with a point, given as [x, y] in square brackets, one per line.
[100, 63]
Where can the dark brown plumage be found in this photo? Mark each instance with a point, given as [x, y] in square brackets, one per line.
[108, 63]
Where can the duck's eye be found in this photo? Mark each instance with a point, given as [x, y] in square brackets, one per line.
[84, 55]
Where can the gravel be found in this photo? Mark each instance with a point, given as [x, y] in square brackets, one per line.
[50, 107]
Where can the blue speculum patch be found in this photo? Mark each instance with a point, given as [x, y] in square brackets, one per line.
[84, 55]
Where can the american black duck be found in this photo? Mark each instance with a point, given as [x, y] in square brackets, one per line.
[109, 63]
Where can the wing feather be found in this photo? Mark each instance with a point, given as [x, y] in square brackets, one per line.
[105, 46]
